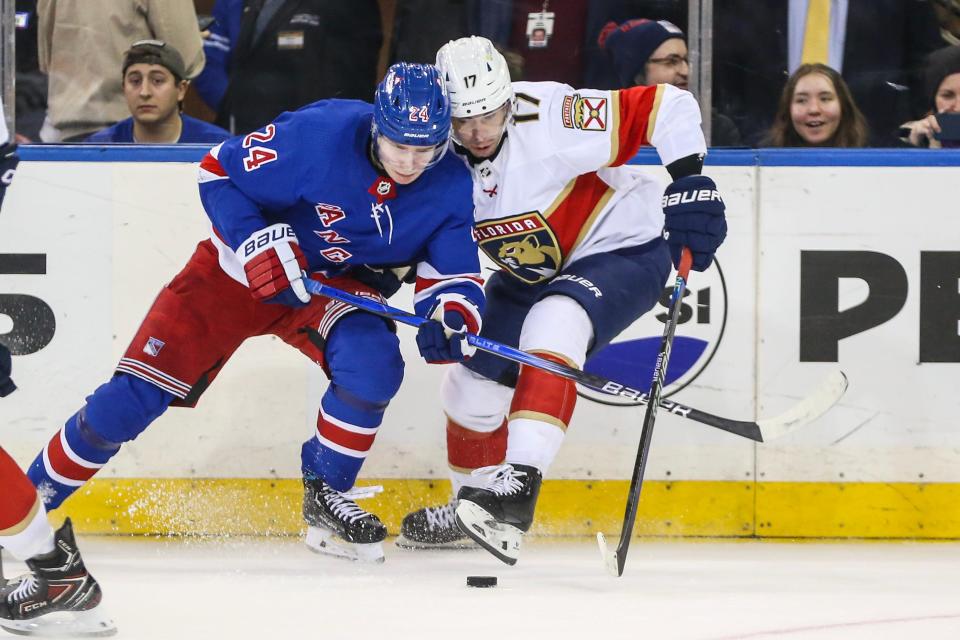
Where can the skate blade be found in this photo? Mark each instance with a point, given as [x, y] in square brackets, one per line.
[325, 542]
[465, 544]
[501, 539]
[94, 623]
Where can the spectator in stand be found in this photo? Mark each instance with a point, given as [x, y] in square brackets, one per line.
[942, 78]
[154, 86]
[31, 85]
[598, 74]
[948, 15]
[647, 52]
[218, 47]
[878, 46]
[817, 110]
[79, 44]
[279, 55]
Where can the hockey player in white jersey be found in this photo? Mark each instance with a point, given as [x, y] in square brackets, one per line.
[584, 246]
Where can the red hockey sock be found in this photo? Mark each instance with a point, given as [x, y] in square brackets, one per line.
[468, 450]
[544, 396]
[19, 495]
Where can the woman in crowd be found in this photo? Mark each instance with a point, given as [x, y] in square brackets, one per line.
[817, 110]
[942, 82]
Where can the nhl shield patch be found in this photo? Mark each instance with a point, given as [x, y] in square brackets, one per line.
[524, 245]
[587, 113]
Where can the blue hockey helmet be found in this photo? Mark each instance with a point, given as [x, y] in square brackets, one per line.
[411, 107]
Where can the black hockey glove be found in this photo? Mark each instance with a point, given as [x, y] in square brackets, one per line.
[385, 280]
[6, 384]
[694, 216]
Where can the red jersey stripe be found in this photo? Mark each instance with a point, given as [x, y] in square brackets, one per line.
[635, 112]
[211, 164]
[426, 283]
[572, 214]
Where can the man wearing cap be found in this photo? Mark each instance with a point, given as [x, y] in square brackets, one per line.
[154, 85]
[79, 44]
[650, 52]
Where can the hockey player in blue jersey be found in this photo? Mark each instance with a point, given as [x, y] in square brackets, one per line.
[337, 191]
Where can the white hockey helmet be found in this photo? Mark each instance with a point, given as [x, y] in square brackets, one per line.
[476, 76]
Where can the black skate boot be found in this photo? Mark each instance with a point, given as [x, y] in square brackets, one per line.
[57, 597]
[497, 516]
[337, 526]
[433, 528]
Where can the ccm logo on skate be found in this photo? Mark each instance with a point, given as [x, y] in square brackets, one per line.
[630, 359]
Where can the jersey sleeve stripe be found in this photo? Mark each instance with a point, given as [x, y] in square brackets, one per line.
[578, 205]
[425, 285]
[636, 113]
[211, 169]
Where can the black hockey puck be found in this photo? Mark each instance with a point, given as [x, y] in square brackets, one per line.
[481, 581]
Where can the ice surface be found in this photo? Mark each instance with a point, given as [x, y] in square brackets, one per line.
[255, 588]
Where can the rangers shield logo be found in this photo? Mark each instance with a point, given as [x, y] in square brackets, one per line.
[524, 245]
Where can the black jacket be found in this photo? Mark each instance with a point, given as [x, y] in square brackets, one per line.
[310, 50]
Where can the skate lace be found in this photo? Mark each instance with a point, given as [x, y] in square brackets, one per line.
[502, 479]
[342, 503]
[441, 517]
[27, 587]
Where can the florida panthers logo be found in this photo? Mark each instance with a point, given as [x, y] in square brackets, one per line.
[527, 252]
[524, 245]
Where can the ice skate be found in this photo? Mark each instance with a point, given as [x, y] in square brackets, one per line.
[57, 598]
[336, 526]
[433, 528]
[497, 516]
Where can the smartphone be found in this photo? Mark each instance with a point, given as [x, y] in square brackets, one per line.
[949, 127]
[205, 22]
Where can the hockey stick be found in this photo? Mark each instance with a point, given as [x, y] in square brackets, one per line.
[615, 560]
[761, 431]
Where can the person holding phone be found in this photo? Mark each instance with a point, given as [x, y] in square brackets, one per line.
[940, 128]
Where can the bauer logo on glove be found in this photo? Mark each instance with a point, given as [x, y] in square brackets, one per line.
[694, 217]
[274, 266]
[704, 195]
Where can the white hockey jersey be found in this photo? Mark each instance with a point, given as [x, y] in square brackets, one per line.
[556, 192]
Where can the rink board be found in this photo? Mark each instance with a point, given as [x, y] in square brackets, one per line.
[87, 244]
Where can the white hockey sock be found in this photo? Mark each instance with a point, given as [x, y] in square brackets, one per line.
[533, 443]
[33, 539]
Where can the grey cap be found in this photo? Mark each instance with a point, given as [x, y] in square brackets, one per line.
[155, 52]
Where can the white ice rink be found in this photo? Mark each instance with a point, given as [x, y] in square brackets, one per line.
[275, 589]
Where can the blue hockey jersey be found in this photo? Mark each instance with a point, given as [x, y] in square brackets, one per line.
[311, 169]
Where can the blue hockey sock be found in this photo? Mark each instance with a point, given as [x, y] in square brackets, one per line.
[116, 412]
[345, 433]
